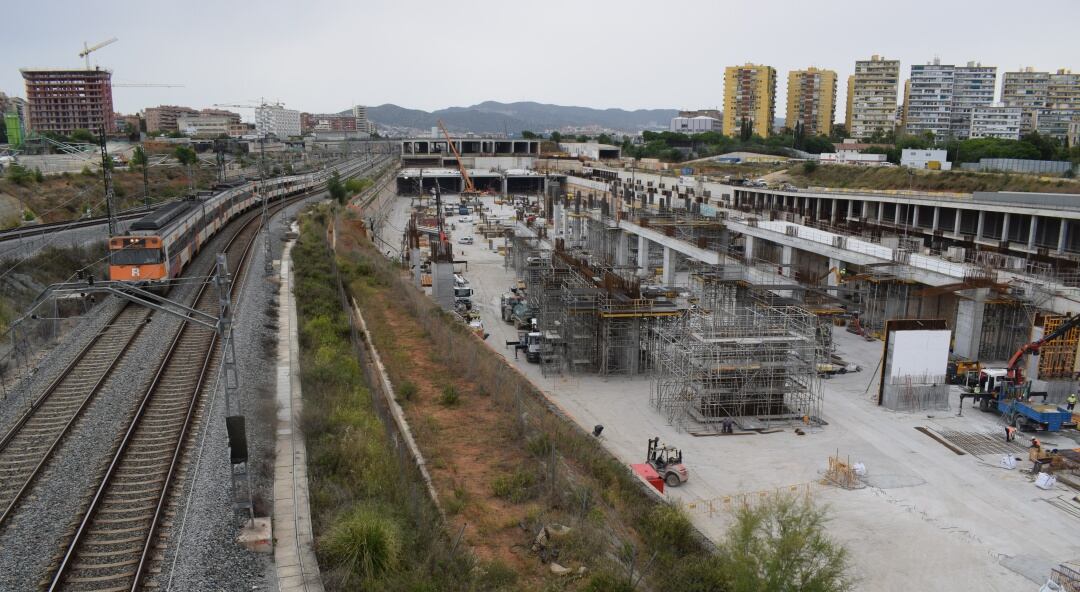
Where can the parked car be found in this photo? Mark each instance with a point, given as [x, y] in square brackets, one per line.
[465, 219]
[465, 240]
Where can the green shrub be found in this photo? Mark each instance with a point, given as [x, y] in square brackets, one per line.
[39, 176]
[607, 582]
[19, 174]
[496, 575]
[516, 487]
[539, 445]
[809, 167]
[406, 391]
[667, 527]
[449, 397]
[365, 542]
[86, 172]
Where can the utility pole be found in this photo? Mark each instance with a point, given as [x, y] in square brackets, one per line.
[268, 260]
[106, 175]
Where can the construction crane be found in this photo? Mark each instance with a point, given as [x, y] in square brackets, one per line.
[1014, 372]
[470, 189]
[88, 49]
[141, 85]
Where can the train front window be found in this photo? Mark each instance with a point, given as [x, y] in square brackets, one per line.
[135, 256]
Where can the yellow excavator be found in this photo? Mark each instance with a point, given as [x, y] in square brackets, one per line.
[468, 190]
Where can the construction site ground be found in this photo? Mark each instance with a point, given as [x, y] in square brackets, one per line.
[927, 519]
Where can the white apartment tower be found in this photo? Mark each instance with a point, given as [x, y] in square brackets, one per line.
[973, 86]
[942, 97]
[277, 120]
[872, 96]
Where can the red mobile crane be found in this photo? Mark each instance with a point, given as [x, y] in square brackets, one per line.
[470, 189]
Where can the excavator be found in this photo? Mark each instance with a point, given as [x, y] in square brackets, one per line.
[1014, 394]
[469, 189]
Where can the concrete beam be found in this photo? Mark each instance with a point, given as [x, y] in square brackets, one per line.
[703, 255]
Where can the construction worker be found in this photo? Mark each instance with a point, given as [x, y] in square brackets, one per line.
[1035, 443]
[1010, 433]
[1070, 402]
[727, 426]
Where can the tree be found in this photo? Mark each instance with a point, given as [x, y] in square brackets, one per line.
[139, 159]
[337, 191]
[818, 145]
[809, 167]
[556, 137]
[187, 157]
[746, 129]
[839, 133]
[83, 135]
[582, 138]
[528, 135]
[19, 174]
[798, 136]
[781, 544]
[604, 139]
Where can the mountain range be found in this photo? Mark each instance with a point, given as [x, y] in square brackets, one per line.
[496, 117]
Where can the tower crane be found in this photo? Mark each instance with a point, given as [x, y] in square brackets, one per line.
[470, 189]
[88, 49]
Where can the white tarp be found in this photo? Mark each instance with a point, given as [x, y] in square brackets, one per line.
[919, 353]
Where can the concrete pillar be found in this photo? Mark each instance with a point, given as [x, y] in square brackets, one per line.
[414, 261]
[622, 249]
[505, 186]
[850, 208]
[643, 255]
[832, 216]
[787, 259]
[557, 218]
[1063, 231]
[1032, 231]
[1005, 227]
[915, 216]
[969, 320]
[670, 256]
[831, 278]
[956, 221]
[880, 212]
[979, 232]
[748, 247]
[442, 284]
[896, 215]
[818, 207]
[937, 219]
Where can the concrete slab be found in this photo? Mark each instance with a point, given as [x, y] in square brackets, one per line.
[928, 520]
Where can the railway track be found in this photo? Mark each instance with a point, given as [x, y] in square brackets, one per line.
[112, 545]
[30, 442]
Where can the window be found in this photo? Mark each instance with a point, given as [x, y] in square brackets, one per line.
[135, 257]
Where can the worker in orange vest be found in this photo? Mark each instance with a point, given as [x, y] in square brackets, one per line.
[1010, 433]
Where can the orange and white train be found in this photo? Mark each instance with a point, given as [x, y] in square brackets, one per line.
[158, 246]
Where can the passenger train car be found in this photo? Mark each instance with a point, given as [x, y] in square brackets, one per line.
[159, 246]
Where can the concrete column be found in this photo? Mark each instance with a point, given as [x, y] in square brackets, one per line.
[979, 232]
[956, 221]
[668, 277]
[748, 247]
[1005, 227]
[850, 208]
[442, 284]
[880, 213]
[831, 278]
[557, 218]
[937, 219]
[787, 258]
[1063, 231]
[832, 216]
[896, 215]
[414, 261]
[818, 207]
[505, 186]
[643, 255]
[969, 320]
[915, 216]
[1032, 231]
[622, 249]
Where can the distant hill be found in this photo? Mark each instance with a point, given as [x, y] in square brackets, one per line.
[492, 117]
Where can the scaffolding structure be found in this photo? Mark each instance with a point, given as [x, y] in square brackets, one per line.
[756, 364]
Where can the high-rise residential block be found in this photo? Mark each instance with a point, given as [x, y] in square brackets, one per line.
[749, 96]
[811, 100]
[277, 120]
[1049, 101]
[163, 117]
[995, 121]
[873, 96]
[63, 100]
[974, 86]
[850, 102]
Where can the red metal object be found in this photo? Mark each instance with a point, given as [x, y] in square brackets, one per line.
[646, 472]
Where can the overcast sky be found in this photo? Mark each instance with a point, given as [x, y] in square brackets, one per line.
[323, 56]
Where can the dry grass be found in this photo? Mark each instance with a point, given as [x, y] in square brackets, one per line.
[879, 178]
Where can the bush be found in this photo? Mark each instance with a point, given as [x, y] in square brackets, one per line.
[539, 445]
[809, 167]
[39, 176]
[365, 543]
[19, 174]
[406, 391]
[497, 575]
[607, 582]
[667, 527]
[516, 487]
[449, 397]
[86, 172]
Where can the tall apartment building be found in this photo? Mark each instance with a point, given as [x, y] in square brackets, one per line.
[749, 95]
[313, 122]
[872, 96]
[363, 124]
[928, 105]
[163, 117]
[63, 100]
[1049, 101]
[850, 102]
[278, 121]
[974, 86]
[811, 100]
[995, 121]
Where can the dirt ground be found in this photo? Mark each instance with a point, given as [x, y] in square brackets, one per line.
[927, 519]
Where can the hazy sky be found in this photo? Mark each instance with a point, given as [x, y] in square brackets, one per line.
[321, 55]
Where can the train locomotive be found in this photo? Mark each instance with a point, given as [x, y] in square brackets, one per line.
[158, 246]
